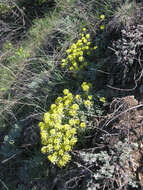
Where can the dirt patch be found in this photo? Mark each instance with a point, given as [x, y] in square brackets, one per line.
[127, 114]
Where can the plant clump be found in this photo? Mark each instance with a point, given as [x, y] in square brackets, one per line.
[64, 121]
[77, 54]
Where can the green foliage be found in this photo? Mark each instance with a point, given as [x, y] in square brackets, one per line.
[15, 164]
[4, 7]
[9, 147]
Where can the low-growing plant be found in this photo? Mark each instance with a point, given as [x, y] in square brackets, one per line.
[78, 52]
[112, 167]
[60, 125]
[127, 52]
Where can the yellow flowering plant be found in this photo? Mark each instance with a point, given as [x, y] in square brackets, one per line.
[63, 122]
[102, 26]
[78, 52]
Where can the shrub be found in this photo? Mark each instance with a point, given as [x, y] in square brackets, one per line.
[60, 125]
[112, 167]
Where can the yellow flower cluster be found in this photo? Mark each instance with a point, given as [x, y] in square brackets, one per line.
[102, 18]
[61, 124]
[75, 59]
[102, 99]
[85, 86]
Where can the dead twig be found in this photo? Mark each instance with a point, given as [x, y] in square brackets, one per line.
[129, 109]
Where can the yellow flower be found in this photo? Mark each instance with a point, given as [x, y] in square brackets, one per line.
[67, 102]
[44, 149]
[59, 135]
[84, 29]
[66, 157]
[44, 135]
[79, 44]
[74, 51]
[52, 116]
[82, 35]
[72, 122]
[95, 47]
[79, 41]
[80, 58]
[58, 126]
[61, 106]
[68, 50]
[60, 110]
[43, 141]
[83, 48]
[66, 127]
[70, 95]
[52, 131]
[61, 152]
[66, 141]
[50, 147]
[50, 140]
[87, 103]
[73, 46]
[71, 68]
[67, 148]
[74, 64]
[75, 106]
[90, 97]
[72, 112]
[52, 158]
[102, 27]
[85, 86]
[102, 17]
[63, 60]
[57, 147]
[61, 163]
[56, 141]
[82, 125]
[87, 36]
[73, 131]
[53, 106]
[67, 135]
[84, 40]
[42, 126]
[65, 91]
[46, 117]
[81, 53]
[69, 57]
[59, 99]
[73, 141]
[63, 65]
[102, 99]
[77, 121]
[51, 123]
[77, 97]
